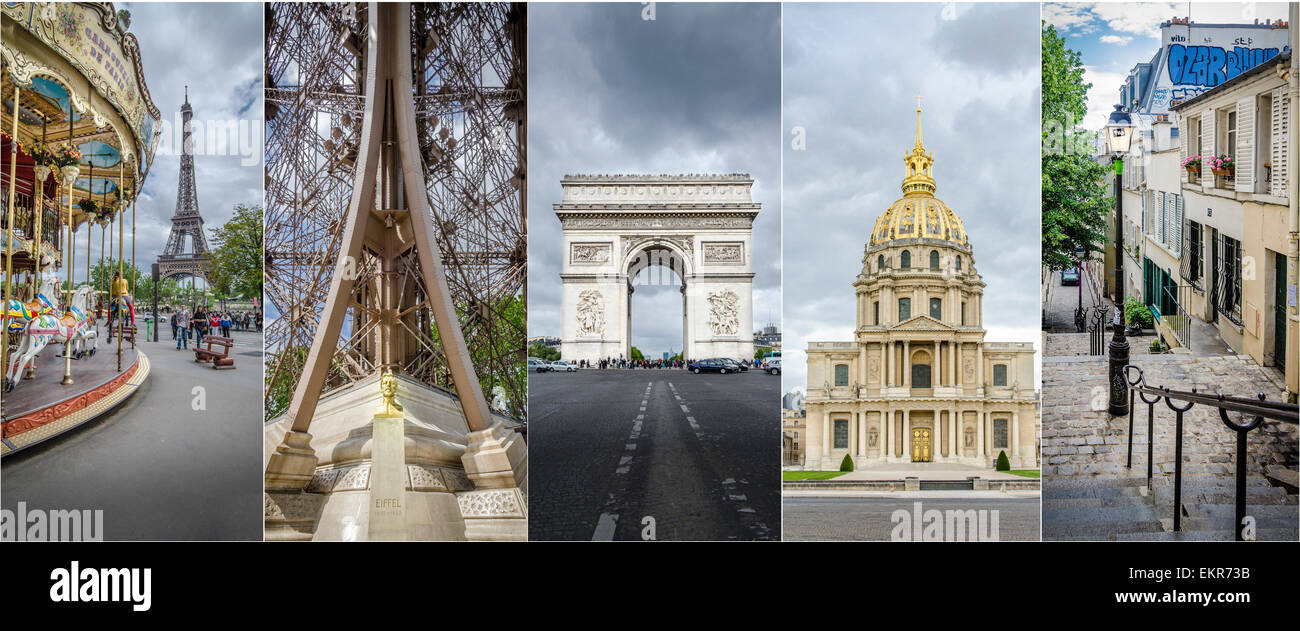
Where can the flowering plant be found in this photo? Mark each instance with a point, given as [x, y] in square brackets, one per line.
[65, 155]
[89, 207]
[1221, 163]
[1192, 162]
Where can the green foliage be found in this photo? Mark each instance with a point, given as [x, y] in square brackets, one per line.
[675, 358]
[1157, 346]
[280, 392]
[847, 463]
[1137, 314]
[759, 351]
[1003, 463]
[510, 326]
[636, 355]
[1075, 201]
[236, 265]
[542, 351]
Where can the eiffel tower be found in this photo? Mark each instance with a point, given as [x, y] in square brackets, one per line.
[175, 261]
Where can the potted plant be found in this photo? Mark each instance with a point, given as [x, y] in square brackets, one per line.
[1223, 165]
[1193, 165]
[89, 207]
[67, 158]
[1137, 315]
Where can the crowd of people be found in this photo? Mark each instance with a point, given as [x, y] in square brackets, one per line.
[201, 322]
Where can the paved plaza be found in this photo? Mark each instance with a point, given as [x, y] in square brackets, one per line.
[157, 467]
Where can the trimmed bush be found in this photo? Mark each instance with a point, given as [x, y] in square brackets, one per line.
[1003, 463]
[847, 463]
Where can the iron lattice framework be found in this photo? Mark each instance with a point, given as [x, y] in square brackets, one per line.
[187, 224]
[469, 67]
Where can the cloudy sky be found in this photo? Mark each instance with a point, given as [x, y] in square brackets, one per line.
[852, 74]
[217, 50]
[1112, 37]
[696, 90]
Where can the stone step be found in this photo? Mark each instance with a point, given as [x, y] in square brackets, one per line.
[1101, 521]
[1102, 493]
[1196, 496]
[1266, 534]
[1222, 515]
[1054, 504]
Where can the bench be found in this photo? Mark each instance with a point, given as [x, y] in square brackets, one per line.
[128, 334]
[220, 358]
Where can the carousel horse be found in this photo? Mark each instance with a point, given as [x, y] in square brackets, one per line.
[73, 327]
[20, 313]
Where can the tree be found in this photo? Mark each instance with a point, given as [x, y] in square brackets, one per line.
[847, 463]
[236, 264]
[542, 351]
[1075, 202]
[1003, 464]
[636, 355]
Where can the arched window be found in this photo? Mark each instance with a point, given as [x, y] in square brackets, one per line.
[841, 374]
[921, 370]
[959, 262]
[875, 310]
[880, 263]
[936, 308]
[904, 309]
[934, 260]
[906, 261]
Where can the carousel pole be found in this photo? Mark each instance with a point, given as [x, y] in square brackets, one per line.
[89, 224]
[41, 172]
[70, 246]
[9, 239]
[121, 309]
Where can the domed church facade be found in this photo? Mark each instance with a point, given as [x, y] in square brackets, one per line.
[919, 383]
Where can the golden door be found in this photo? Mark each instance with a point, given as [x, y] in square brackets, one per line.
[921, 444]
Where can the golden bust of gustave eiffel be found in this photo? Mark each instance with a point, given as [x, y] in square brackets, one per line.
[388, 389]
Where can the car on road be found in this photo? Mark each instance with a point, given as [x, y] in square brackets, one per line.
[560, 365]
[1070, 276]
[711, 365]
[735, 365]
[538, 365]
[773, 366]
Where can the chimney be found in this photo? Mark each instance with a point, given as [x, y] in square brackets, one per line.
[1162, 129]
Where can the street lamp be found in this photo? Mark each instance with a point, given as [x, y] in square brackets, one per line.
[1119, 134]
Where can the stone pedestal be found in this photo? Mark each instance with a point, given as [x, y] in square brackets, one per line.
[388, 481]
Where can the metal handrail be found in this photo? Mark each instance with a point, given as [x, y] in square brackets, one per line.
[1257, 408]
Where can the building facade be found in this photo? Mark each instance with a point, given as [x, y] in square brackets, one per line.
[918, 383]
[1239, 235]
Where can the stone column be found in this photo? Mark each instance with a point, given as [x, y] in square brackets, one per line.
[826, 434]
[979, 367]
[952, 361]
[1015, 437]
[907, 363]
[888, 352]
[851, 447]
[979, 434]
[887, 433]
[862, 366]
[954, 435]
[907, 434]
[862, 432]
[957, 362]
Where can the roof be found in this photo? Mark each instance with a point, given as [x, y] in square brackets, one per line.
[1267, 66]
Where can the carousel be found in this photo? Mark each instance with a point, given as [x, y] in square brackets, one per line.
[79, 132]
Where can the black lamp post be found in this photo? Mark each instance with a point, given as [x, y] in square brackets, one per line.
[1119, 134]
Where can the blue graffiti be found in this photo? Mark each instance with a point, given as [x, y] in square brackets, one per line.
[1209, 66]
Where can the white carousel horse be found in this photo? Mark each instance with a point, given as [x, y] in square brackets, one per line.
[47, 329]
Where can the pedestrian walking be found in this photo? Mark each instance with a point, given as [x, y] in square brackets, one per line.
[181, 324]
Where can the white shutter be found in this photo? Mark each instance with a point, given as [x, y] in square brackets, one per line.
[1207, 142]
[1176, 242]
[1184, 126]
[1245, 175]
[1279, 155]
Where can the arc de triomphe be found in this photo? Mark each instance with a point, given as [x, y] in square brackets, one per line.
[698, 225]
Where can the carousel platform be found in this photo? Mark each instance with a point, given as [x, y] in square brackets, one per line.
[41, 408]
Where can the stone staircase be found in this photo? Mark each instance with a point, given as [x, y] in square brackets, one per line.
[1122, 509]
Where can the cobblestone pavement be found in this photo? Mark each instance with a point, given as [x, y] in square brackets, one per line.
[159, 469]
[1081, 440]
[700, 454]
[869, 517]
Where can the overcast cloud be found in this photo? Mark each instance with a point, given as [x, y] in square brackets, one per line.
[216, 49]
[852, 74]
[696, 90]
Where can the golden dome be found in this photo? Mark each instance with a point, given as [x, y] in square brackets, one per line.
[919, 214]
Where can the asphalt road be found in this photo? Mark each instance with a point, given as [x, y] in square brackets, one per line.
[869, 516]
[614, 452]
[159, 469]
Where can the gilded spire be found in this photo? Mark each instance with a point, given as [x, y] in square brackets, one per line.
[918, 120]
[917, 176]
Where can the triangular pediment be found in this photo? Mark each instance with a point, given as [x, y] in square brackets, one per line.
[921, 323]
